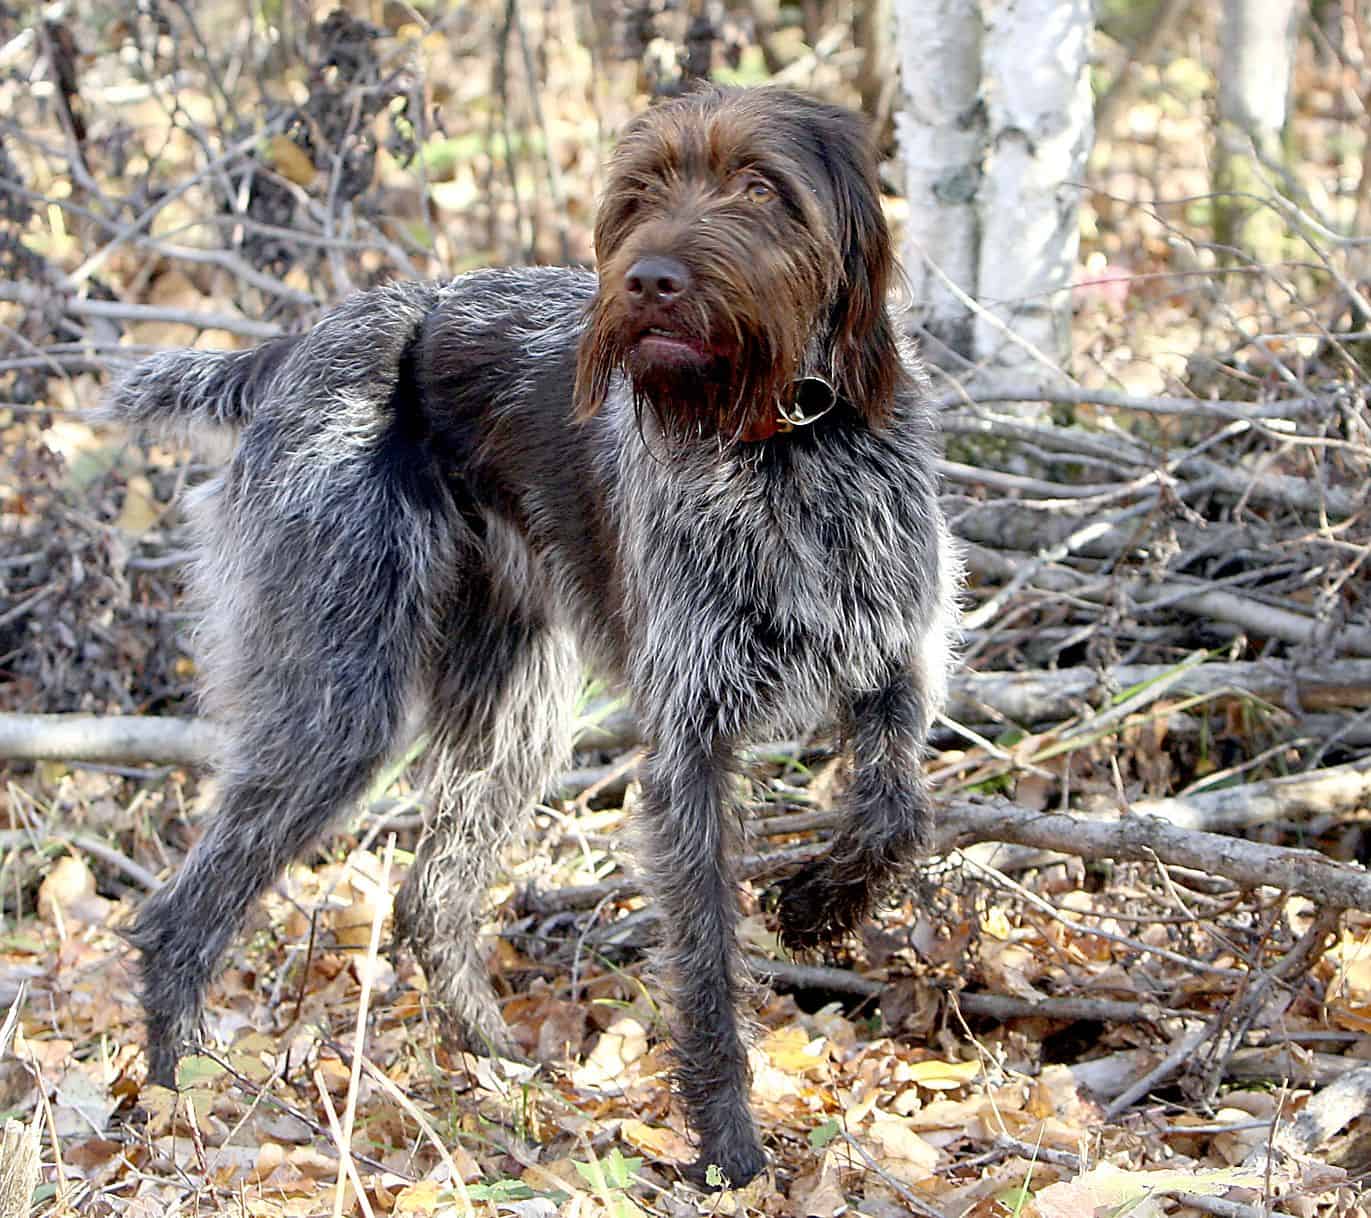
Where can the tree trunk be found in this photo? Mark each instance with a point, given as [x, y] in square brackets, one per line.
[1039, 130]
[995, 132]
[941, 132]
[1257, 60]
[873, 29]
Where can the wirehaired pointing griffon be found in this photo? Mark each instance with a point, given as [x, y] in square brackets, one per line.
[708, 471]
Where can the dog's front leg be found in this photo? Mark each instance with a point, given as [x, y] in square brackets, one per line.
[887, 819]
[686, 819]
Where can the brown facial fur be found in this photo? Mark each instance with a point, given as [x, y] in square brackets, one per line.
[769, 199]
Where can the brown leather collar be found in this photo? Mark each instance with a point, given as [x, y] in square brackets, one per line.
[764, 427]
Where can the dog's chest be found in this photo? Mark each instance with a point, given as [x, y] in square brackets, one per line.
[792, 582]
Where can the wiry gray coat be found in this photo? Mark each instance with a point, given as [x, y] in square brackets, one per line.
[412, 514]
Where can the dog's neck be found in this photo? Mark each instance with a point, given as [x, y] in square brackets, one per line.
[810, 398]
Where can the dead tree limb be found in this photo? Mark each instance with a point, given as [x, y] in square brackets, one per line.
[1024, 698]
[109, 740]
[1143, 838]
[1331, 791]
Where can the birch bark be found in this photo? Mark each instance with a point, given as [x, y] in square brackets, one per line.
[941, 133]
[1039, 129]
[995, 131]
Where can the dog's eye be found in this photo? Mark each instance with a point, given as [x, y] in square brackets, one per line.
[755, 190]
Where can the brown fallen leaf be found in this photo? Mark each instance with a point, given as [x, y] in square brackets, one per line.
[664, 1144]
[820, 1194]
[67, 894]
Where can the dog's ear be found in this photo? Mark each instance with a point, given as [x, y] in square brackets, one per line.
[866, 356]
[595, 361]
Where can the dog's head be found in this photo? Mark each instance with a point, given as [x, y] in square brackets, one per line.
[741, 247]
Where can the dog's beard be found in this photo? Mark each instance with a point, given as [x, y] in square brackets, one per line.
[712, 391]
[711, 372]
[687, 398]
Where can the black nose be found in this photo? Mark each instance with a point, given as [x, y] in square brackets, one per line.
[656, 279]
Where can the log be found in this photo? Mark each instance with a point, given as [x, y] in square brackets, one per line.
[1026, 698]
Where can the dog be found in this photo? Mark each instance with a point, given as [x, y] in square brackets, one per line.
[707, 470]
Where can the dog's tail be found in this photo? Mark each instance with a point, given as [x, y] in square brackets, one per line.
[200, 388]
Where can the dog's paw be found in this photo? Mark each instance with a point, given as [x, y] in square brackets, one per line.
[726, 1167]
[814, 912]
[484, 1037]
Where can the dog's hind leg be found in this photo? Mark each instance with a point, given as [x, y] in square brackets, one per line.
[501, 715]
[318, 627]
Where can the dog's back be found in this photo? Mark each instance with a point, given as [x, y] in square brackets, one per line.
[478, 326]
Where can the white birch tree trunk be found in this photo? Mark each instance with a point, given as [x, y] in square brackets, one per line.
[941, 133]
[1039, 129]
[995, 133]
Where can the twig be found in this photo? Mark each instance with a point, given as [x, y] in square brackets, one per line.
[359, 1039]
[1242, 1013]
[1079, 928]
[29, 602]
[1162, 1071]
[1042, 1154]
[378, 1076]
[108, 854]
[244, 146]
[260, 1094]
[1219, 1207]
[114, 310]
[345, 1160]
[912, 1199]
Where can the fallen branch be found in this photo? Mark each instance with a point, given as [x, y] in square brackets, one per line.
[1328, 792]
[1029, 698]
[112, 310]
[1024, 698]
[1267, 621]
[1143, 835]
[1333, 791]
[106, 739]
[1135, 838]
[1147, 838]
[994, 1006]
[1116, 400]
[1049, 697]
